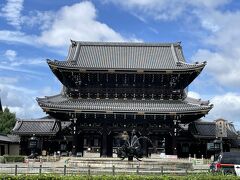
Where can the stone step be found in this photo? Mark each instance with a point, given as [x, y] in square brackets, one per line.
[145, 163]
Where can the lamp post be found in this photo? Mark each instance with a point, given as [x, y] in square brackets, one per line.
[33, 144]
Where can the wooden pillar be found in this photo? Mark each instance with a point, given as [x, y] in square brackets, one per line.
[174, 145]
[77, 145]
[78, 139]
[106, 143]
[80, 143]
[145, 148]
[110, 145]
[145, 142]
[168, 144]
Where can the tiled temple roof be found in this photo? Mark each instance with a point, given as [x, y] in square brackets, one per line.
[107, 55]
[149, 106]
[37, 126]
[204, 129]
[9, 138]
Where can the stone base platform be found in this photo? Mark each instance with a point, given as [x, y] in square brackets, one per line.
[146, 163]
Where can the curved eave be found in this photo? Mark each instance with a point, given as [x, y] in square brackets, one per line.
[47, 107]
[35, 133]
[63, 66]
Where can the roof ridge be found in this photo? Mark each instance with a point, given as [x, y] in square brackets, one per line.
[153, 44]
[37, 120]
[204, 122]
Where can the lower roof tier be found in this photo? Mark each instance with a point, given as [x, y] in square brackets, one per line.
[50, 126]
[62, 103]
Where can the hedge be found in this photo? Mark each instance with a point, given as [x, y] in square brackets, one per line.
[8, 158]
[122, 177]
[2, 159]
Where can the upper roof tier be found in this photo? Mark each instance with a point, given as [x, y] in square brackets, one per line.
[125, 56]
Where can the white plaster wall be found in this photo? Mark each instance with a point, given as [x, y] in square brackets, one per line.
[14, 149]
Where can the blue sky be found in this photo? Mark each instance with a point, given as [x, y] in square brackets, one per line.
[32, 31]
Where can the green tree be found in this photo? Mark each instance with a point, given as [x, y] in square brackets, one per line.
[7, 121]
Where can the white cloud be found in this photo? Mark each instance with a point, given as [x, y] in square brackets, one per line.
[161, 10]
[20, 69]
[20, 61]
[8, 80]
[17, 37]
[210, 4]
[223, 27]
[11, 86]
[39, 19]
[10, 97]
[12, 12]
[10, 60]
[226, 106]
[224, 68]
[223, 37]
[210, 25]
[77, 22]
[193, 94]
[22, 100]
[218, 29]
[165, 9]
[10, 54]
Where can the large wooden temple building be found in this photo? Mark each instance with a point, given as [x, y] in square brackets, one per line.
[115, 88]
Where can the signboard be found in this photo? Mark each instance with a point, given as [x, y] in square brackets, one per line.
[221, 128]
[33, 144]
[210, 146]
[213, 146]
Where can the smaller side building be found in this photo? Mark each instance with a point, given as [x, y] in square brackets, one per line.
[9, 144]
[48, 131]
[207, 137]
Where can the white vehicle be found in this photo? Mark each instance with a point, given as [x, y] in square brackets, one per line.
[237, 169]
[228, 163]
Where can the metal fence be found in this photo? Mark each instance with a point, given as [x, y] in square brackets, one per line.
[65, 170]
